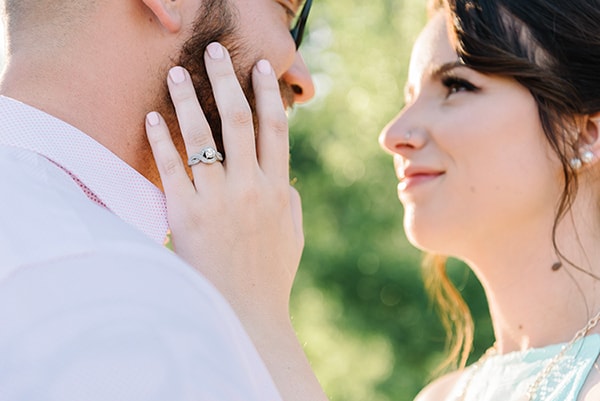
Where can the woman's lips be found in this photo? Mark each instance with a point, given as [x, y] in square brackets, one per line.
[413, 177]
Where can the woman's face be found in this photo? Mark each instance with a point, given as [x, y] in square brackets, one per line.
[470, 153]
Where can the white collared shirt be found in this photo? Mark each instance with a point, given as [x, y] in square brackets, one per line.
[92, 306]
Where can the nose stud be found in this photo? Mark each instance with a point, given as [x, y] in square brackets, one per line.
[407, 135]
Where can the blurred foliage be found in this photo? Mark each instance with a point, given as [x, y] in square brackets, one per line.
[359, 304]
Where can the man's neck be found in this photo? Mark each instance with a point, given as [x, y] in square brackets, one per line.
[108, 103]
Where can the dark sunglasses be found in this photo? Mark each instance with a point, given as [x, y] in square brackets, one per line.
[298, 29]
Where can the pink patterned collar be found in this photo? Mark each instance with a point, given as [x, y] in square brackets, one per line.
[104, 177]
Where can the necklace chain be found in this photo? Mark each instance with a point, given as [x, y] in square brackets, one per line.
[534, 387]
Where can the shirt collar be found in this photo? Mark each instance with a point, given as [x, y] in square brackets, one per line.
[122, 189]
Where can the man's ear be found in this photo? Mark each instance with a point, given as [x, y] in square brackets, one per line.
[167, 12]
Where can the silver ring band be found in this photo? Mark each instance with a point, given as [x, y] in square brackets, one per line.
[207, 155]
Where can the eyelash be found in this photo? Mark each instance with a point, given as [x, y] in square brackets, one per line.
[454, 85]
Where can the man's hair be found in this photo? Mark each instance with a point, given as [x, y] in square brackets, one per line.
[21, 14]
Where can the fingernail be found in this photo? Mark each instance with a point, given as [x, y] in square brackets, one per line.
[152, 119]
[177, 75]
[264, 67]
[215, 50]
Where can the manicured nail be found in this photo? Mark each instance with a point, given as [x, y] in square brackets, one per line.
[264, 67]
[177, 75]
[215, 50]
[152, 119]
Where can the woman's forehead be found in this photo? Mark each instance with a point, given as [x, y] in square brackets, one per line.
[431, 49]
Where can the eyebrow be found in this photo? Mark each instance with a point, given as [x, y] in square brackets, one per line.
[436, 72]
[444, 68]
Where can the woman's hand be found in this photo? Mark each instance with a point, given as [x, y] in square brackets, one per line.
[238, 222]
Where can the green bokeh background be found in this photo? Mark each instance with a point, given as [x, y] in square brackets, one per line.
[358, 304]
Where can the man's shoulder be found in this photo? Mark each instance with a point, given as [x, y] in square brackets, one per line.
[44, 214]
[130, 321]
[51, 232]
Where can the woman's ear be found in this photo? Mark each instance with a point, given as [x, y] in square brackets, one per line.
[167, 12]
[591, 135]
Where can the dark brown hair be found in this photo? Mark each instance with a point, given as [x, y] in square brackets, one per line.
[551, 47]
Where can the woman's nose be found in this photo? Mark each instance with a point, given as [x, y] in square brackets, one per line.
[399, 137]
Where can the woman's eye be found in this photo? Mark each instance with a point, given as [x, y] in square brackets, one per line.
[456, 85]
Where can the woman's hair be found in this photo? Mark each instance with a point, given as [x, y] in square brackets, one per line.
[551, 47]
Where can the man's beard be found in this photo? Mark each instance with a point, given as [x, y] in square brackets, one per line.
[216, 22]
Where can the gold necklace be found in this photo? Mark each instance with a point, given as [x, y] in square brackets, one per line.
[534, 387]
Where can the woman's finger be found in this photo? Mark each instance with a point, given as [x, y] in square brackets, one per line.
[236, 115]
[273, 134]
[196, 132]
[175, 181]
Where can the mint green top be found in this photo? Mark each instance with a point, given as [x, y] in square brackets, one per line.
[508, 377]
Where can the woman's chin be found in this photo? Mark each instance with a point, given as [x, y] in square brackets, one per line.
[427, 237]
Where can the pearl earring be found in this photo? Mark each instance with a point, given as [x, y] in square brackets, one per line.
[586, 156]
[576, 163]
